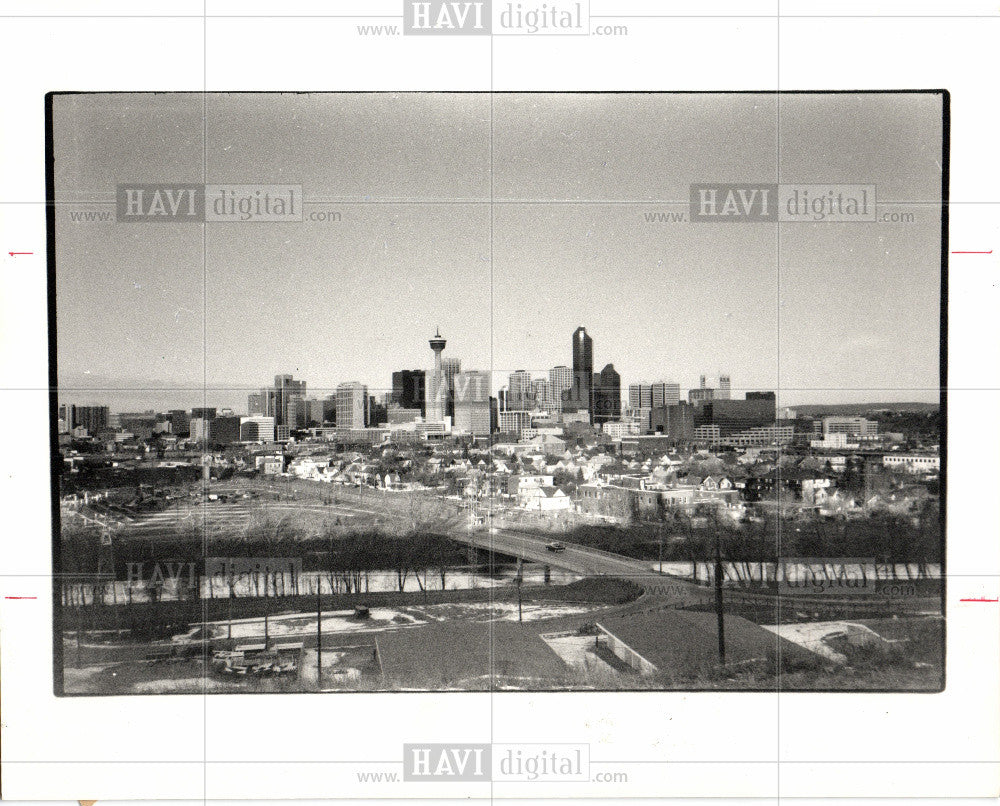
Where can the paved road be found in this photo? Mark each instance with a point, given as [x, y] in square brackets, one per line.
[659, 589]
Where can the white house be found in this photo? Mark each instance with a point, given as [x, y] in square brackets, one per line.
[544, 499]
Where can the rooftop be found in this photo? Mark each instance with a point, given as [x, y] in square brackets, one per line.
[458, 655]
[686, 642]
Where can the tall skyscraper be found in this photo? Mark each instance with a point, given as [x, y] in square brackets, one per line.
[408, 389]
[472, 403]
[275, 402]
[93, 418]
[724, 388]
[436, 392]
[450, 367]
[582, 393]
[519, 391]
[560, 383]
[296, 411]
[607, 395]
[291, 395]
[665, 394]
[640, 396]
[544, 397]
[352, 405]
[316, 412]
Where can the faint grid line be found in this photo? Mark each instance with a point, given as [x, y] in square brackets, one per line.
[408, 201]
[777, 261]
[492, 629]
[636, 574]
[204, 326]
[207, 17]
[677, 762]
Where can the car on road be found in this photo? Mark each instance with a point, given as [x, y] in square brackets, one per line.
[555, 546]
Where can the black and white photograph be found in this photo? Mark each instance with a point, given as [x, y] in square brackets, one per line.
[359, 392]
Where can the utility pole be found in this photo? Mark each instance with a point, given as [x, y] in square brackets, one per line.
[319, 638]
[79, 628]
[718, 600]
[519, 579]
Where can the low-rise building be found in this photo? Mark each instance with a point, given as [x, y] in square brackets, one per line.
[912, 462]
[545, 499]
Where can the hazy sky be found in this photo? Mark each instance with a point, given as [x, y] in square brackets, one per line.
[828, 312]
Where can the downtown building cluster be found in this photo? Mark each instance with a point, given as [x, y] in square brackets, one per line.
[443, 401]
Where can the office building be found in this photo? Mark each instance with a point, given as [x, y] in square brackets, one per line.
[285, 402]
[607, 395]
[676, 422]
[702, 393]
[582, 393]
[560, 383]
[762, 436]
[663, 393]
[618, 429]
[641, 416]
[472, 403]
[378, 414]
[224, 430]
[640, 396]
[296, 412]
[707, 435]
[352, 406]
[705, 392]
[179, 422]
[397, 415]
[653, 395]
[450, 367]
[519, 391]
[409, 389]
[257, 429]
[854, 426]
[321, 411]
[198, 429]
[93, 418]
[140, 424]
[514, 422]
[546, 397]
[734, 416]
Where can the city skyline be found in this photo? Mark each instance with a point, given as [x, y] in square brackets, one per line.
[506, 275]
[235, 398]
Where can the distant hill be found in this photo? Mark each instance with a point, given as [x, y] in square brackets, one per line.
[860, 409]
